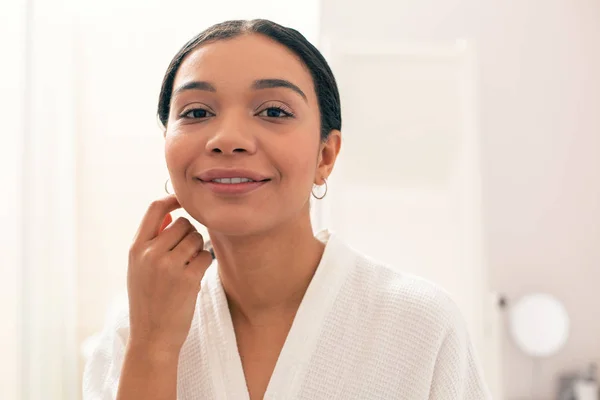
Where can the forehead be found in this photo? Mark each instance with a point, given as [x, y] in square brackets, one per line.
[241, 60]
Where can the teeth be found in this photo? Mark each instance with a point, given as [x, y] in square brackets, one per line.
[232, 180]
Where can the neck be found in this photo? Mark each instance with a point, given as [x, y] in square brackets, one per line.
[265, 276]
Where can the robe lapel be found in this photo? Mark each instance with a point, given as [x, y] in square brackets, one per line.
[224, 359]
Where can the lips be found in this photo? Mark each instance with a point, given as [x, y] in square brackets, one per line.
[232, 181]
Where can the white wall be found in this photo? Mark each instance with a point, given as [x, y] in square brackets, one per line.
[37, 208]
[47, 175]
[539, 88]
[12, 97]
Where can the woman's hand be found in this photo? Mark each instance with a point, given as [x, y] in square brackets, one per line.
[166, 265]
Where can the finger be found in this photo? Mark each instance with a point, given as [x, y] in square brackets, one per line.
[197, 266]
[154, 216]
[173, 235]
[168, 219]
[187, 249]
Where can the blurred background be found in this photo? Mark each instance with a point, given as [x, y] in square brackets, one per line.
[471, 157]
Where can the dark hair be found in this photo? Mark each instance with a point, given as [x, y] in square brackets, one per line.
[323, 79]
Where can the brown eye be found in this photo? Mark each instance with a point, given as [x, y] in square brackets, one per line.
[276, 112]
[197, 113]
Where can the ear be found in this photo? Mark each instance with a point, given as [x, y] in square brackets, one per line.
[328, 152]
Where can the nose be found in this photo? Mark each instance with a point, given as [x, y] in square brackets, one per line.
[232, 136]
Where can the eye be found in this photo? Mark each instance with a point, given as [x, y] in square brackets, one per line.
[276, 112]
[197, 113]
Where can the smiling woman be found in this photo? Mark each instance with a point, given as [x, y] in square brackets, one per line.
[252, 121]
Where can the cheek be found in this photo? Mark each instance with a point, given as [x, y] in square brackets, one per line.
[178, 151]
[299, 159]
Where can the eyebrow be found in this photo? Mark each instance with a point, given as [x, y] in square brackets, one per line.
[195, 85]
[257, 85]
[276, 83]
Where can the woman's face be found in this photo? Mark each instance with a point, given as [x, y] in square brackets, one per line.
[245, 108]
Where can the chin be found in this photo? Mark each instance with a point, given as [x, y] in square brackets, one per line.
[234, 224]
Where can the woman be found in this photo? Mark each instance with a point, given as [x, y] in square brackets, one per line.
[252, 121]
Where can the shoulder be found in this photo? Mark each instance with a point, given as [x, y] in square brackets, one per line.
[115, 325]
[110, 341]
[410, 321]
[414, 304]
[104, 352]
[116, 322]
[426, 327]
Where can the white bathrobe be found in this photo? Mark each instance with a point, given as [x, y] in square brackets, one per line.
[363, 331]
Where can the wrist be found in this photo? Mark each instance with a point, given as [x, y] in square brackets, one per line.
[152, 352]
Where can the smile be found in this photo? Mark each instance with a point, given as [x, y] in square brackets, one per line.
[232, 181]
[232, 186]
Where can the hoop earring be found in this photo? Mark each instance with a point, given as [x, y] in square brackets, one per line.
[324, 194]
[166, 186]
